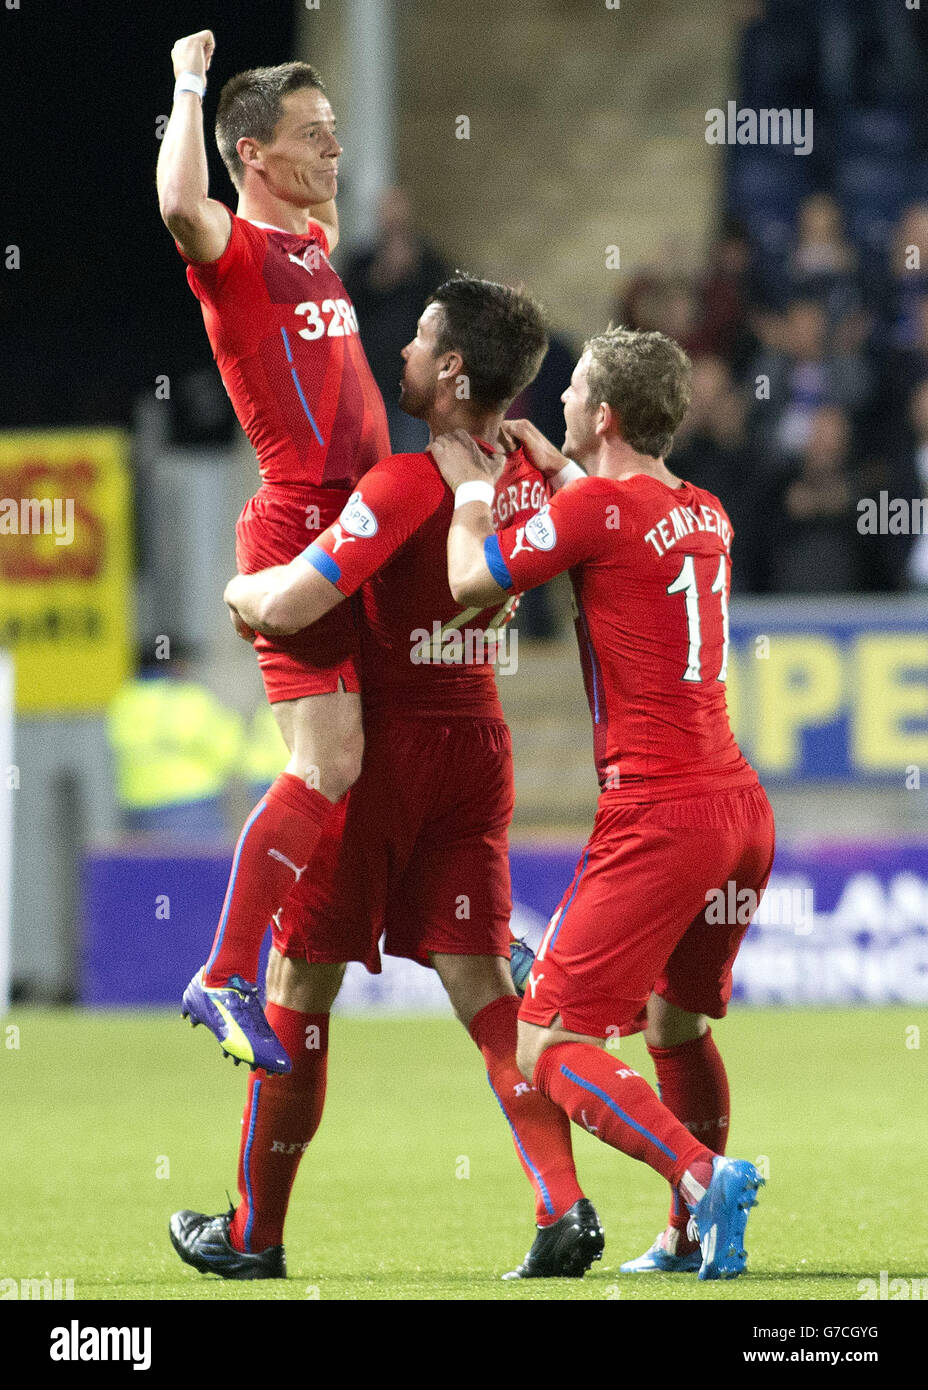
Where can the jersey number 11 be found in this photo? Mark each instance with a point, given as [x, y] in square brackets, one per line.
[685, 583]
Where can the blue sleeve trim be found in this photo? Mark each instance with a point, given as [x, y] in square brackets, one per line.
[322, 561]
[495, 562]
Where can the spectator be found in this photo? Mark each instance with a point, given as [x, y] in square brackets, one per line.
[821, 246]
[901, 561]
[802, 375]
[841, 326]
[389, 282]
[711, 450]
[909, 278]
[823, 264]
[812, 544]
[724, 290]
[790, 376]
[665, 304]
[637, 304]
[902, 369]
[680, 315]
[917, 472]
[175, 746]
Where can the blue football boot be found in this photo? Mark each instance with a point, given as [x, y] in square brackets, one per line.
[722, 1215]
[657, 1260]
[521, 960]
[233, 1014]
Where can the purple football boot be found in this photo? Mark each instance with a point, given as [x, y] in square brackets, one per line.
[233, 1013]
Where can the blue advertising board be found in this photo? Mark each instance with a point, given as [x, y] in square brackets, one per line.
[842, 922]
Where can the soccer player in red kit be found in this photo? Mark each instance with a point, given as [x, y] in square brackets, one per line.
[681, 813]
[422, 858]
[285, 338]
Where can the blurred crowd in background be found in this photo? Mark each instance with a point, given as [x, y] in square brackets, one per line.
[810, 382]
[807, 326]
[808, 395]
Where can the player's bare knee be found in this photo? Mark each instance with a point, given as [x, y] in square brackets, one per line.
[669, 1026]
[528, 1050]
[326, 742]
[284, 981]
[530, 1044]
[302, 986]
[343, 769]
[332, 775]
[472, 982]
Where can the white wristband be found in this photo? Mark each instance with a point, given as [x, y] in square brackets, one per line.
[474, 492]
[568, 474]
[190, 82]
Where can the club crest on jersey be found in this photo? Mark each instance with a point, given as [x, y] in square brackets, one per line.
[540, 532]
[357, 518]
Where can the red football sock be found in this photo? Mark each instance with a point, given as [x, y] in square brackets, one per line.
[691, 1081]
[612, 1101]
[273, 850]
[540, 1131]
[280, 1119]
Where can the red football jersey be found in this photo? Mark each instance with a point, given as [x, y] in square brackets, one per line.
[651, 572]
[420, 651]
[285, 338]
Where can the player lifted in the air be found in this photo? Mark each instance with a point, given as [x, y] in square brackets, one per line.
[681, 814]
[285, 338]
[423, 855]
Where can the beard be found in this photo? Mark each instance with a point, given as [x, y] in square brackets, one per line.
[415, 401]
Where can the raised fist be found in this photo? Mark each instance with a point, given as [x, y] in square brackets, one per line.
[194, 53]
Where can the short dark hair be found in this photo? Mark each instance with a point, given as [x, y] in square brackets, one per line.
[500, 332]
[645, 379]
[251, 103]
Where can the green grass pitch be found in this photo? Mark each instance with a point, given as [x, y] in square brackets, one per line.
[411, 1189]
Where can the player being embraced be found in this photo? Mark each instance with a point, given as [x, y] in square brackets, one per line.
[423, 857]
[681, 813]
[285, 339]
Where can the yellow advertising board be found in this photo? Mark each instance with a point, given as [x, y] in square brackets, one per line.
[65, 581]
[831, 689]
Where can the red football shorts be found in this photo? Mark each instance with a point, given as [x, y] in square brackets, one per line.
[275, 526]
[421, 853]
[638, 915]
